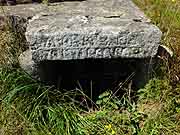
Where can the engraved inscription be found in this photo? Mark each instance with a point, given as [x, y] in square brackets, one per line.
[99, 53]
[102, 40]
[71, 53]
[68, 53]
[91, 53]
[77, 40]
[80, 46]
[118, 52]
[75, 53]
[66, 40]
[122, 38]
[112, 41]
[90, 40]
[83, 53]
[106, 53]
[58, 41]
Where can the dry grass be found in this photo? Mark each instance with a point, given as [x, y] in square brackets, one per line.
[27, 107]
[166, 15]
[12, 41]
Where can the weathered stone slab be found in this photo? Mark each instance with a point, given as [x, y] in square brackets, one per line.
[92, 29]
[63, 35]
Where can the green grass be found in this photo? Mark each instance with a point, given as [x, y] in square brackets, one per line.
[28, 107]
[166, 15]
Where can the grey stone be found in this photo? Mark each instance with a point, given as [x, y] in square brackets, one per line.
[92, 29]
[83, 31]
[26, 62]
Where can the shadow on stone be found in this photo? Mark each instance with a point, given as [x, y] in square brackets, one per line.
[95, 76]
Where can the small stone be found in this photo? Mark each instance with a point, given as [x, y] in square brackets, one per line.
[26, 62]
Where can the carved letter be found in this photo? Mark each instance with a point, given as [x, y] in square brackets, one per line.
[106, 53]
[118, 52]
[99, 53]
[91, 53]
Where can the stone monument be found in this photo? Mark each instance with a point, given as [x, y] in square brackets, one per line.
[78, 33]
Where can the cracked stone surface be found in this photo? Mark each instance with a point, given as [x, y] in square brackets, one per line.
[92, 29]
[88, 29]
[77, 30]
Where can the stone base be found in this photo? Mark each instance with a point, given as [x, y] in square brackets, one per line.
[104, 73]
[105, 42]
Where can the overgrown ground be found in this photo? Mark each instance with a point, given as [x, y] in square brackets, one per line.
[28, 107]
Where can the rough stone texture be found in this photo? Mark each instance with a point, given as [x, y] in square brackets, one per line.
[26, 62]
[92, 29]
[105, 30]
[23, 10]
[88, 29]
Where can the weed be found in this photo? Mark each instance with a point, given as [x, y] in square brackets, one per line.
[166, 15]
[29, 107]
[12, 39]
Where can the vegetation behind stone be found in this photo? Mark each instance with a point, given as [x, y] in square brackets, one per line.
[29, 107]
